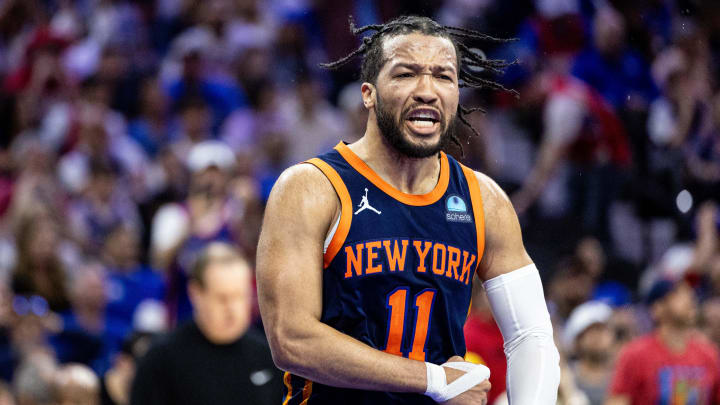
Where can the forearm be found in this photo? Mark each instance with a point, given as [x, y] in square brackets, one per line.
[532, 369]
[322, 354]
[518, 305]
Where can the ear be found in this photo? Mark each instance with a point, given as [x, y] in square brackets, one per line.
[656, 310]
[369, 95]
[195, 291]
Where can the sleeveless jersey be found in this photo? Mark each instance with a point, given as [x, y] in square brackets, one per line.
[397, 271]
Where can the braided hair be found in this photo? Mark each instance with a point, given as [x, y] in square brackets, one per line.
[470, 63]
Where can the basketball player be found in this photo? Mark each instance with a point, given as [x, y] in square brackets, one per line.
[367, 253]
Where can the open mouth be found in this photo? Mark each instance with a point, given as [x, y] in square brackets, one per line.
[423, 120]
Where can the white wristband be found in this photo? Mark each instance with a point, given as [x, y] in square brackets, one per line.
[436, 382]
[440, 391]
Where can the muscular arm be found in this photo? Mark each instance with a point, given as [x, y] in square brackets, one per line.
[299, 213]
[516, 298]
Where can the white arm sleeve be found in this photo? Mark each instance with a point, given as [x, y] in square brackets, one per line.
[518, 305]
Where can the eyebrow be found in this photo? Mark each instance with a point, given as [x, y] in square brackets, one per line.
[416, 67]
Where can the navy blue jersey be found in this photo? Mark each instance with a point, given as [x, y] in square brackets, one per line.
[398, 270]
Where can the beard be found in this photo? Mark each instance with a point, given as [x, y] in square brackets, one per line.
[391, 131]
[595, 356]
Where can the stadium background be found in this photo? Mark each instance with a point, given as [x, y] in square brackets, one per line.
[134, 132]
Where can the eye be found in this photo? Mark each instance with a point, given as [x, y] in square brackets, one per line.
[404, 75]
[445, 77]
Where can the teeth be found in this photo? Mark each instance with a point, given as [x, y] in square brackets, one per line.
[423, 123]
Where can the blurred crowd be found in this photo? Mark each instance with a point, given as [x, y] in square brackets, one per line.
[137, 132]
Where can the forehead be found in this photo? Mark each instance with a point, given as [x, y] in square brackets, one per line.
[222, 277]
[419, 48]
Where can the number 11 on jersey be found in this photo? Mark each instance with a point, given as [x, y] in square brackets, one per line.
[397, 304]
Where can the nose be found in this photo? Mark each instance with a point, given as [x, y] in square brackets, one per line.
[424, 91]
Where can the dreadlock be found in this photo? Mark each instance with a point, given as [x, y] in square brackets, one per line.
[470, 63]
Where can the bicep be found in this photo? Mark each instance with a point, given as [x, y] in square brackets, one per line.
[504, 249]
[290, 250]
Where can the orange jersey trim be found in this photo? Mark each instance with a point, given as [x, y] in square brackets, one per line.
[286, 380]
[346, 210]
[405, 198]
[307, 391]
[477, 204]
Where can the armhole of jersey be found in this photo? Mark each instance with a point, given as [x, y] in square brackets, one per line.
[478, 210]
[332, 232]
[342, 227]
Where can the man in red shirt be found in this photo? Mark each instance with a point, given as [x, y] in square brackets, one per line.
[675, 365]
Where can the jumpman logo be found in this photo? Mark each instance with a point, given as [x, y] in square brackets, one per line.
[365, 205]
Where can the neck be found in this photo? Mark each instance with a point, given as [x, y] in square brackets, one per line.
[673, 336]
[592, 371]
[205, 331]
[409, 175]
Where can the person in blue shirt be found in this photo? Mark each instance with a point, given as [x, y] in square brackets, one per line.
[129, 282]
[617, 72]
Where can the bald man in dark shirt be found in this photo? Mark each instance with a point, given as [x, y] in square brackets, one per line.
[214, 359]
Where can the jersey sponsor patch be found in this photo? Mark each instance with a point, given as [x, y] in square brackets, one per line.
[456, 210]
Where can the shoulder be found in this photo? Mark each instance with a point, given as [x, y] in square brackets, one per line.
[498, 210]
[705, 346]
[302, 202]
[493, 195]
[503, 245]
[638, 347]
[302, 177]
[302, 187]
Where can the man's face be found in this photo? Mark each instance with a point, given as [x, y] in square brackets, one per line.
[596, 343]
[680, 306]
[222, 305]
[416, 97]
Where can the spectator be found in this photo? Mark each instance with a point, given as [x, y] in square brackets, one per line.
[103, 206]
[129, 283]
[33, 382]
[570, 286]
[202, 64]
[580, 128]
[195, 122]
[39, 269]
[152, 128]
[590, 340]
[674, 363]
[216, 209]
[101, 138]
[27, 322]
[89, 335]
[215, 358]
[618, 73]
